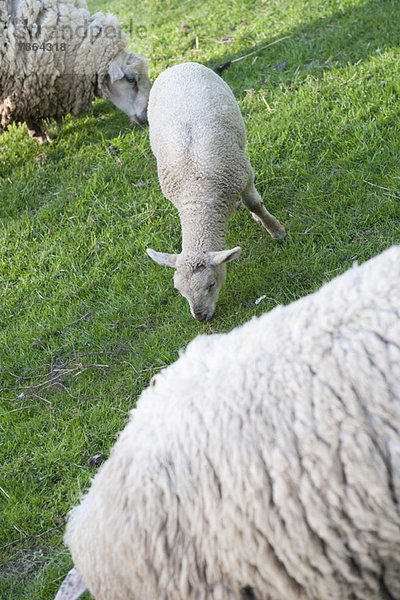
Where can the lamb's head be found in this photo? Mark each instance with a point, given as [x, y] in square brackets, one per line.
[199, 277]
[128, 85]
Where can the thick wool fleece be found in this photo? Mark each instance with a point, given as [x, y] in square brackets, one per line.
[264, 463]
[65, 74]
[199, 141]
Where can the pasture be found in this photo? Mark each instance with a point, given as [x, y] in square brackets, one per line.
[87, 318]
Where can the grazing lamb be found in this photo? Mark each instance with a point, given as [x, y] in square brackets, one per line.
[263, 464]
[198, 137]
[55, 58]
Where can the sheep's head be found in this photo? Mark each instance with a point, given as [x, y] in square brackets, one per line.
[128, 85]
[199, 277]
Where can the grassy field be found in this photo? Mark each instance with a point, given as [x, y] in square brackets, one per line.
[87, 318]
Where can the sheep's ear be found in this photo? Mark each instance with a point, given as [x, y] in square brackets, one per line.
[162, 258]
[224, 256]
[135, 58]
[115, 72]
[72, 587]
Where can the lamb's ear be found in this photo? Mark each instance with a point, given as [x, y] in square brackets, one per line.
[115, 72]
[224, 256]
[162, 258]
[72, 587]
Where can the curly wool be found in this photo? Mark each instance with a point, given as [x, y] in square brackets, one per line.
[52, 83]
[264, 463]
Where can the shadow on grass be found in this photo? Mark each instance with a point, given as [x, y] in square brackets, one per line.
[102, 122]
[33, 175]
[110, 123]
[346, 37]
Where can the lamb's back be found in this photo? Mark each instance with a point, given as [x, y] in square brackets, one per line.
[197, 133]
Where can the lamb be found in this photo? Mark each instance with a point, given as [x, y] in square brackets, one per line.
[55, 58]
[198, 136]
[264, 463]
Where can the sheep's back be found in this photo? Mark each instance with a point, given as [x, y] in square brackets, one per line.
[268, 457]
[60, 76]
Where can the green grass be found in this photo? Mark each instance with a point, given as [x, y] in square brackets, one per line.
[87, 319]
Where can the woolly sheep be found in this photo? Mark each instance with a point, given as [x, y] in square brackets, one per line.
[55, 58]
[198, 136]
[263, 464]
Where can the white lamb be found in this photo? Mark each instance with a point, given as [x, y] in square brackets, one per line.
[263, 464]
[55, 58]
[198, 137]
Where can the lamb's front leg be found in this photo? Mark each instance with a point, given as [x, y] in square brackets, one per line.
[253, 201]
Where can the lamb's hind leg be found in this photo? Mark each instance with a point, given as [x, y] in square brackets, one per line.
[253, 201]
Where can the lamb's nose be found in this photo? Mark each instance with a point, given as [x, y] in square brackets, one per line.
[142, 118]
[200, 316]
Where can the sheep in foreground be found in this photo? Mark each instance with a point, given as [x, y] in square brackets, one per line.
[263, 464]
[55, 58]
[198, 136]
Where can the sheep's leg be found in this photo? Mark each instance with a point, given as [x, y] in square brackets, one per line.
[59, 124]
[38, 132]
[253, 201]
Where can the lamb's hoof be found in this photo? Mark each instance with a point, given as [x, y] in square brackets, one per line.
[274, 228]
[277, 234]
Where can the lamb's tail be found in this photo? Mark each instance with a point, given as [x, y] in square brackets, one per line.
[72, 587]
